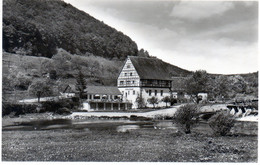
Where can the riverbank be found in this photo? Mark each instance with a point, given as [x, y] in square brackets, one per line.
[169, 112]
[146, 145]
[99, 139]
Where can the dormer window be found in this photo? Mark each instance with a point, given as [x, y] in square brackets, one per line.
[128, 66]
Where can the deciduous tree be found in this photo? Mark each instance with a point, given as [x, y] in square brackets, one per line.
[197, 83]
[166, 99]
[153, 100]
[140, 101]
[40, 89]
[185, 116]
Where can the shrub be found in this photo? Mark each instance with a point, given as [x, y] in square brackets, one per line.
[140, 101]
[186, 116]
[53, 74]
[18, 109]
[56, 106]
[173, 100]
[254, 105]
[23, 83]
[63, 111]
[60, 106]
[221, 123]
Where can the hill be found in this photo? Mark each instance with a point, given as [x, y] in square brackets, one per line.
[52, 40]
[38, 28]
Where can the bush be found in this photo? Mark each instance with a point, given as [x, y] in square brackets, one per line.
[63, 111]
[186, 116]
[18, 109]
[60, 106]
[53, 74]
[221, 123]
[23, 83]
[56, 106]
[254, 105]
[140, 102]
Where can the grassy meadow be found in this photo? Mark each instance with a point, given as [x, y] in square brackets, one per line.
[104, 143]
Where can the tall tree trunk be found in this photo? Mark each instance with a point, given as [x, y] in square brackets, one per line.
[187, 127]
[38, 96]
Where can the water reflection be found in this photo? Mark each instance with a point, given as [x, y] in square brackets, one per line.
[121, 125]
[126, 128]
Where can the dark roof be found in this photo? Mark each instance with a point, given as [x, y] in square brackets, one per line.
[104, 90]
[150, 68]
[69, 88]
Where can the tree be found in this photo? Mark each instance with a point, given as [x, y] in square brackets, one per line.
[53, 74]
[166, 99]
[221, 123]
[81, 84]
[140, 101]
[94, 69]
[219, 87]
[185, 116]
[153, 100]
[142, 53]
[40, 89]
[198, 82]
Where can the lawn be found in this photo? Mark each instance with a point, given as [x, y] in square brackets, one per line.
[105, 144]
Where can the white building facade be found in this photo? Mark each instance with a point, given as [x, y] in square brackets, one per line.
[144, 77]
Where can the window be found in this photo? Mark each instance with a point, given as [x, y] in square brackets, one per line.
[128, 92]
[121, 82]
[128, 66]
[161, 92]
[97, 97]
[133, 92]
[128, 82]
[131, 74]
[155, 93]
[133, 82]
[150, 92]
[125, 74]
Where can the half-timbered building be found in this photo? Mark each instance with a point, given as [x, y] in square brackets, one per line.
[144, 77]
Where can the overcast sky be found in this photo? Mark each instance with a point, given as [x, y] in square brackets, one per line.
[216, 36]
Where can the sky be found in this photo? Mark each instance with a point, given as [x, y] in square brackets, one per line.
[216, 36]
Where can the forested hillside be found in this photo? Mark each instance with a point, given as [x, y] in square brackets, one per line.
[52, 41]
[20, 72]
[39, 27]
